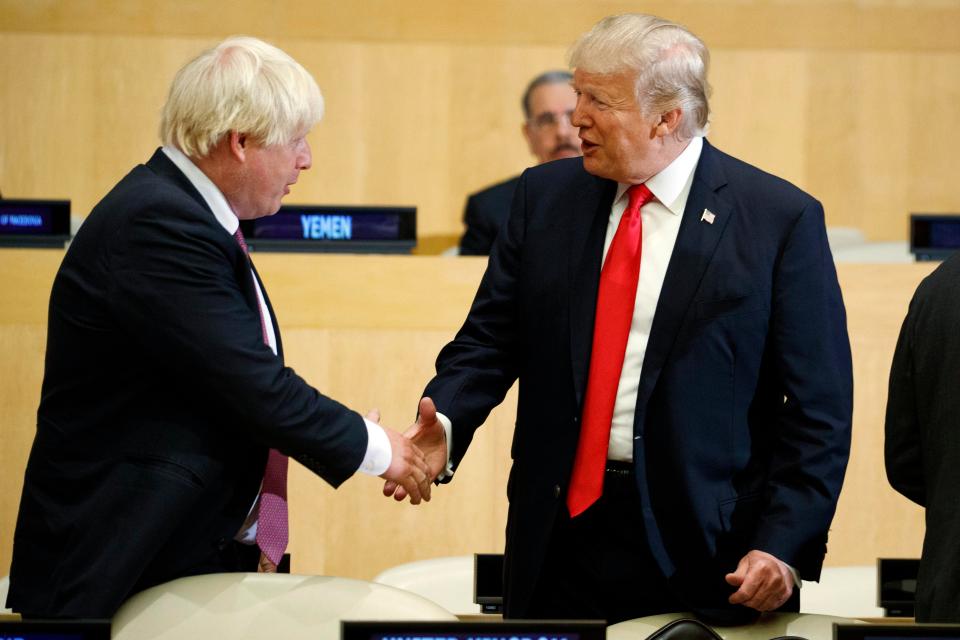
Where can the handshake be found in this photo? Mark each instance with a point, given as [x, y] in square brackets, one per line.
[419, 455]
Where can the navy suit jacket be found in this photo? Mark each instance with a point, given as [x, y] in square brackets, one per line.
[742, 424]
[921, 450]
[159, 404]
[485, 214]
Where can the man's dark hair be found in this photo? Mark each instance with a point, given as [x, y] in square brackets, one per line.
[547, 77]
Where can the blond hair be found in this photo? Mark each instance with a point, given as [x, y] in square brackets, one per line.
[245, 85]
[670, 64]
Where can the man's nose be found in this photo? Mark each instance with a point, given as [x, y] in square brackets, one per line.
[306, 157]
[577, 119]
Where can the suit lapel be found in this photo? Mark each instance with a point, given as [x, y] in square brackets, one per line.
[696, 243]
[591, 216]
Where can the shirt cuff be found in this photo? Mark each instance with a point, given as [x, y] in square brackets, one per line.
[796, 576]
[379, 453]
[448, 432]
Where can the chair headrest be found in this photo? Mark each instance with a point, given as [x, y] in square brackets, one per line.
[684, 629]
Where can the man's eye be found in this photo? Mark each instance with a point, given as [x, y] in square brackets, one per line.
[545, 120]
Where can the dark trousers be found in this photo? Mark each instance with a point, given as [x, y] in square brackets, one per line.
[598, 565]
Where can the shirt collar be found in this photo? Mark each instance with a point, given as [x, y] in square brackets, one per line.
[671, 185]
[209, 191]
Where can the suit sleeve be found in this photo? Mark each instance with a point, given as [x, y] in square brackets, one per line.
[477, 238]
[901, 449]
[476, 369]
[177, 289]
[811, 445]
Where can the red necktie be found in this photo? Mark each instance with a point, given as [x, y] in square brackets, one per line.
[615, 299]
[272, 524]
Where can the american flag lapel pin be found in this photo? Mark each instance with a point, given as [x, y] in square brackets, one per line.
[708, 216]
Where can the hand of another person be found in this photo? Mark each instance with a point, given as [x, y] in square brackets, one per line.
[764, 582]
[428, 434]
[407, 469]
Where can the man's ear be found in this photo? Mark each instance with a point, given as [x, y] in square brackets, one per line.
[669, 123]
[237, 143]
[527, 135]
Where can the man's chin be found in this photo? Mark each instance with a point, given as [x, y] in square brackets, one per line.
[274, 208]
[593, 167]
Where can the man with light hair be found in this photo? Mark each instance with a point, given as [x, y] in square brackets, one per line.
[548, 104]
[674, 319]
[167, 414]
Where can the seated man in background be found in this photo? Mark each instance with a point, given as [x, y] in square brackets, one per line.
[548, 105]
[167, 414]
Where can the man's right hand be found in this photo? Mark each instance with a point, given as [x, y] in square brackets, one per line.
[428, 433]
[408, 470]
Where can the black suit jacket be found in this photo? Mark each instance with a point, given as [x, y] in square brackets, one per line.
[485, 214]
[922, 448]
[159, 404]
[742, 424]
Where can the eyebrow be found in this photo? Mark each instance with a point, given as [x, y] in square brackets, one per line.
[596, 91]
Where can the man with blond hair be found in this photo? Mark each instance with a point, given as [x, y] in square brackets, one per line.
[674, 319]
[167, 414]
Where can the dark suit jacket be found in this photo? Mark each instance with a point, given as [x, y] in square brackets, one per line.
[742, 425]
[485, 214]
[159, 404]
[922, 447]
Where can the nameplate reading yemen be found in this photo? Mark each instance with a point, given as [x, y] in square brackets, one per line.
[326, 227]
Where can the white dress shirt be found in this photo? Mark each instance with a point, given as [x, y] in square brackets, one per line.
[661, 223]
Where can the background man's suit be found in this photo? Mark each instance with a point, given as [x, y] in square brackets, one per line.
[750, 314]
[159, 403]
[923, 434]
[485, 214]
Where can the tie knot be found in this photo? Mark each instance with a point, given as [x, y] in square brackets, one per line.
[639, 195]
[238, 235]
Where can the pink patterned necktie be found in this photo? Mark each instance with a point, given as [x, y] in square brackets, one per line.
[614, 315]
[273, 530]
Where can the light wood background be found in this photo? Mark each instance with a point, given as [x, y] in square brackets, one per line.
[853, 100]
[365, 330]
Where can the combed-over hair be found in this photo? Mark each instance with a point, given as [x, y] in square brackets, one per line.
[670, 64]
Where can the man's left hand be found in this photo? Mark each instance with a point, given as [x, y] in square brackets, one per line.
[764, 582]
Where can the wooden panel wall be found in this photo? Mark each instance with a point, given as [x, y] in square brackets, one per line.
[355, 327]
[853, 100]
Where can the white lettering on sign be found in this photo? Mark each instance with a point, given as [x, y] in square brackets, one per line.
[326, 227]
[22, 220]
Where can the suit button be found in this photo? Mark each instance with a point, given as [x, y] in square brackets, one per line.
[556, 491]
[576, 419]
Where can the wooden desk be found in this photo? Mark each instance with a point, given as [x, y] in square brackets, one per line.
[354, 326]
